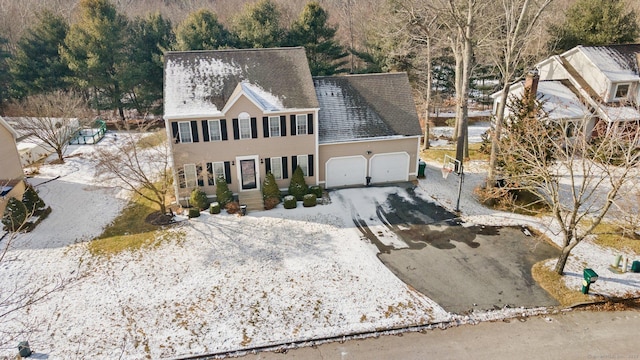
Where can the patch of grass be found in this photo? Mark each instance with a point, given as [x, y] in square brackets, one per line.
[614, 236]
[438, 153]
[554, 284]
[152, 140]
[129, 231]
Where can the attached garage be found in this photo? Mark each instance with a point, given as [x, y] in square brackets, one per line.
[346, 171]
[389, 167]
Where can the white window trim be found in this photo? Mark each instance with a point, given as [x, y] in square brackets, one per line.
[193, 172]
[215, 124]
[306, 161]
[240, 122]
[303, 121]
[276, 160]
[182, 140]
[276, 119]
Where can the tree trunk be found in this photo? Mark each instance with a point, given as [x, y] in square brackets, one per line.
[428, 97]
[495, 139]
[562, 261]
[60, 155]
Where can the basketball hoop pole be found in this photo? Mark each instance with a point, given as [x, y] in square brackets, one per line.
[460, 180]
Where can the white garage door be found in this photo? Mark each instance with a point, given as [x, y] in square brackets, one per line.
[390, 167]
[346, 171]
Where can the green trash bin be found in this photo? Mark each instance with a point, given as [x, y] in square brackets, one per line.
[23, 349]
[421, 167]
[635, 266]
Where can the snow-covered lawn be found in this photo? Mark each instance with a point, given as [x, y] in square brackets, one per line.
[223, 282]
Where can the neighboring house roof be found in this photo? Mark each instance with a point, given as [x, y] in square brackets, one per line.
[360, 107]
[5, 123]
[559, 99]
[200, 83]
[617, 62]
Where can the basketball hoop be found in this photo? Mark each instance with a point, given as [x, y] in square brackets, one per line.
[445, 172]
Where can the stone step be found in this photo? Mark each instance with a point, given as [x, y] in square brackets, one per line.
[252, 199]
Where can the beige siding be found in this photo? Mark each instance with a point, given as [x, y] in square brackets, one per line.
[17, 191]
[220, 151]
[9, 157]
[368, 149]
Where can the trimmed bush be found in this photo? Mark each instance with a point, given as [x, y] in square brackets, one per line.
[223, 193]
[270, 188]
[271, 202]
[309, 200]
[193, 212]
[32, 201]
[199, 199]
[297, 186]
[290, 202]
[214, 208]
[15, 215]
[232, 207]
[315, 190]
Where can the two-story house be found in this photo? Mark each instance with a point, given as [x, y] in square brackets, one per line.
[11, 173]
[596, 83]
[239, 114]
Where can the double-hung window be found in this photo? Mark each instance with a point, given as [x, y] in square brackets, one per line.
[184, 128]
[215, 171]
[276, 167]
[245, 128]
[214, 130]
[190, 176]
[303, 162]
[301, 125]
[274, 126]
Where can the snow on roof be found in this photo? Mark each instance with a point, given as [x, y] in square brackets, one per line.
[266, 100]
[560, 102]
[188, 87]
[621, 113]
[614, 63]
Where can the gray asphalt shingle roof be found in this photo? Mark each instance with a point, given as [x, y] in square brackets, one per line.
[201, 82]
[357, 107]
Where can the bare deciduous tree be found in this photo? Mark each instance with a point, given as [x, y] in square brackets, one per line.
[53, 118]
[582, 181]
[139, 161]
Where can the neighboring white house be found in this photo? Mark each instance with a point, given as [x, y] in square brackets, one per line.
[11, 174]
[597, 83]
[30, 148]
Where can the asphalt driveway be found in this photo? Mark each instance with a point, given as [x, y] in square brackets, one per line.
[462, 267]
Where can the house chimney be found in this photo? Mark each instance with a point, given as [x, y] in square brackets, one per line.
[531, 84]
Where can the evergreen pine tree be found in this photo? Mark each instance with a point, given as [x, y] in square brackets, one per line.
[311, 30]
[258, 25]
[201, 30]
[32, 200]
[5, 76]
[37, 66]
[298, 187]
[199, 199]
[270, 188]
[15, 215]
[223, 193]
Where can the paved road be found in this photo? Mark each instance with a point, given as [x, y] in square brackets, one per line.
[574, 335]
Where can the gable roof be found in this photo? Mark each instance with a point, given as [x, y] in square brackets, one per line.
[199, 83]
[9, 128]
[616, 62]
[359, 107]
[559, 99]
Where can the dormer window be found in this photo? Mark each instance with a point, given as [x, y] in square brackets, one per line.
[622, 90]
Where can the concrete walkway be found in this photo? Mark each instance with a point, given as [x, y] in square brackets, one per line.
[571, 335]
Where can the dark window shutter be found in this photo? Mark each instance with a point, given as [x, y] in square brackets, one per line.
[294, 163]
[267, 165]
[194, 131]
[265, 126]
[310, 164]
[205, 130]
[174, 129]
[236, 130]
[210, 175]
[294, 128]
[199, 174]
[283, 125]
[223, 129]
[254, 128]
[310, 124]
[285, 172]
[227, 172]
